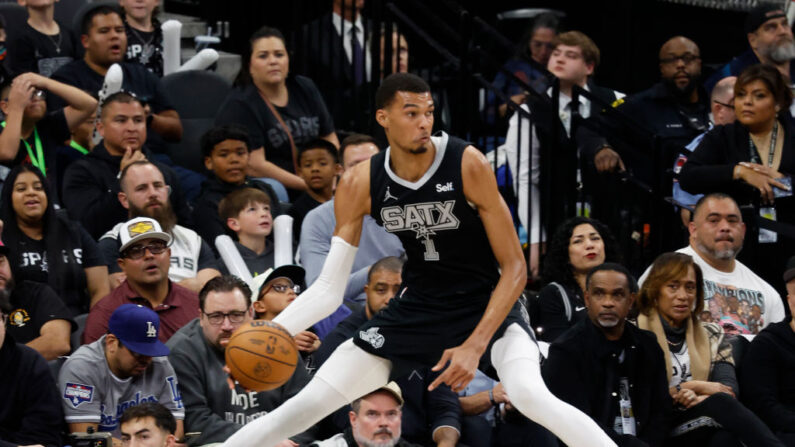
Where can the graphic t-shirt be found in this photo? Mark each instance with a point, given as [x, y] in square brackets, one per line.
[32, 51]
[740, 301]
[680, 367]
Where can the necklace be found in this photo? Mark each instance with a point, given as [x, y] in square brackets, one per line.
[56, 43]
[147, 49]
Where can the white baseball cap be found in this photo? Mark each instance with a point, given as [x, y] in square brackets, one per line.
[141, 228]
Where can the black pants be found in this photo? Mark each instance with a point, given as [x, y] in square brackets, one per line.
[738, 424]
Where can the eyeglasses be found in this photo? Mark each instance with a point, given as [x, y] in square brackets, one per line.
[38, 94]
[724, 104]
[686, 58]
[283, 288]
[138, 251]
[217, 318]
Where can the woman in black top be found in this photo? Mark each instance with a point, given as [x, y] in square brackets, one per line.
[577, 246]
[34, 231]
[281, 113]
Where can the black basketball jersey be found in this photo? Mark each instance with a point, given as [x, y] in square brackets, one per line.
[447, 247]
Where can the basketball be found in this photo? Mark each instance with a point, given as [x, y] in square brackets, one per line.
[261, 355]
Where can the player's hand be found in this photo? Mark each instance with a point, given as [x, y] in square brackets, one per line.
[286, 443]
[307, 341]
[130, 156]
[463, 361]
[608, 160]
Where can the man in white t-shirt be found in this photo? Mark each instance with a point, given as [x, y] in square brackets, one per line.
[734, 296]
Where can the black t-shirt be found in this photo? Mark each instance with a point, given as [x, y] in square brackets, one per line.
[32, 51]
[34, 304]
[305, 115]
[303, 205]
[145, 48]
[52, 131]
[137, 79]
[33, 265]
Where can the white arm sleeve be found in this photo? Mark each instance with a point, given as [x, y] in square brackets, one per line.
[324, 296]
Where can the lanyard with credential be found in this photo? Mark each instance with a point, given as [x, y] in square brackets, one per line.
[752, 147]
[76, 146]
[37, 162]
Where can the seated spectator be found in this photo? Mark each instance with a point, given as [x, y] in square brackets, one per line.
[429, 417]
[125, 367]
[105, 42]
[226, 150]
[609, 369]
[722, 106]
[770, 40]
[577, 246]
[144, 258]
[751, 157]
[318, 166]
[247, 213]
[40, 45]
[698, 359]
[144, 193]
[375, 420]
[30, 134]
[375, 243]
[46, 246]
[91, 185]
[144, 36]
[767, 370]
[37, 317]
[197, 353]
[30, 413]
[269, 104]
[148, 424]
[716, 237]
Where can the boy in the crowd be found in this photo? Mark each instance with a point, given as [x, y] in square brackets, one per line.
[144, 36]
[226, 150]
[41, 45]
[247, 212]
[318, 165]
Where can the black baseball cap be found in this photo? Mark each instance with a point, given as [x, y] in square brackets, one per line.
[761, 14]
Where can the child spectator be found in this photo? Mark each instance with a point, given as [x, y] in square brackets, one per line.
[226, 150]
[41, 45]
[144, 36]
[318, 166]
[247, 212]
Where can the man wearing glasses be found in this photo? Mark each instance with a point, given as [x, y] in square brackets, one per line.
[144, 257]
[197, 353]
[125, 367]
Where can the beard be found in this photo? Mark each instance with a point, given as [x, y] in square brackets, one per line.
[362, 441]
[723, 255]
[683, 93]
[164, 215]
[419, 150]
[782, 52]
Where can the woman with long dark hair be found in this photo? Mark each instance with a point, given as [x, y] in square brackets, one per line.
[698, 358]
[577, 246]
[281, 112]
[45, 246]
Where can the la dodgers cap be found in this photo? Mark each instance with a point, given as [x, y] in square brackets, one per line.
[137, 327]
[789, 271]
[141, 228]
[761, 14]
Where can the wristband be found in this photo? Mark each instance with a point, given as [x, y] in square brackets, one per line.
[491, 398]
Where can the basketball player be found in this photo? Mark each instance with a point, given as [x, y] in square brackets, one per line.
[461, 282]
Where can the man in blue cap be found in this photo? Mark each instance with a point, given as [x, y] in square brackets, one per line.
[125, 367]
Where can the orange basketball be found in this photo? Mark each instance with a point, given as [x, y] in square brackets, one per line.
[261, 355]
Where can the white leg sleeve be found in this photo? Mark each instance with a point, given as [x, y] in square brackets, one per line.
[515, 357]
[326, 293]
[347, 375]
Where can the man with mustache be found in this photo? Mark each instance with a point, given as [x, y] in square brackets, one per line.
[770, 40]
[716, 237]
[611, 370]
[375, 421]
[197, 353]
[144, 258]
[144, 193]
[127, 366]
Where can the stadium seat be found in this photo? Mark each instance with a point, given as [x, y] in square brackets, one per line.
[14, 14]
[66, 10]
[78, 333]
[196, 96]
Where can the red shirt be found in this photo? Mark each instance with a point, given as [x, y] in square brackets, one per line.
[179, 308]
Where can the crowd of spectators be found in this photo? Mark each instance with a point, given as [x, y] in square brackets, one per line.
[109, 254]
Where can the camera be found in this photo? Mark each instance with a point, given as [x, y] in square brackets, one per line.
[91, 439]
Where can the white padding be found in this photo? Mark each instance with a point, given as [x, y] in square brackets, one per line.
[325, 295]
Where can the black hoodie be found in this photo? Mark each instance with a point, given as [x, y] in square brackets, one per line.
[91, 188]
[767, 377]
